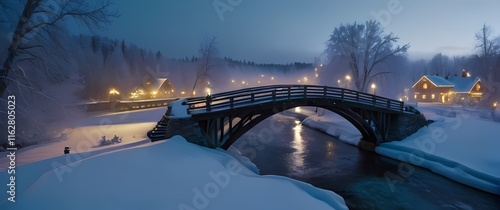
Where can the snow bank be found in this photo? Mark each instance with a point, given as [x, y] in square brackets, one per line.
[179, 109]
[242, 159]
[171, 174]
[459, 145]
[463, 148]
[336, 126]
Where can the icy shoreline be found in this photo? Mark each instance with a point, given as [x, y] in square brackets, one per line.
[451, 147]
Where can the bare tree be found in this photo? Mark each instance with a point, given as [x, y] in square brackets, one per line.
[486, 48]
[35, 28]
[440, 64]
[364, 47]
[208, 59]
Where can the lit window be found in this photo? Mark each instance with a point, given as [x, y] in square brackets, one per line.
[433, 96]
[424, 97]
[425, 86]
[415, 96]
[478, 86]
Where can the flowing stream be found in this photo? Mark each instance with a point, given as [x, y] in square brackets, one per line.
[281, 145]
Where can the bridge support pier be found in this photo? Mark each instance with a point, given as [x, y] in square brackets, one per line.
[187, 128]
[405, 125]
[367, 145]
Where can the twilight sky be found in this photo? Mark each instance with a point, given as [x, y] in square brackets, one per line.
[283, 31]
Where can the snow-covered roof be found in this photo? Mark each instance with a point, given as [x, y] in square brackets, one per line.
[437, 81]
[463, 84]
[459, 84]
[157, 85]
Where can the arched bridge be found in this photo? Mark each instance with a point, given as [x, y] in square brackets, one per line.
[220, 119]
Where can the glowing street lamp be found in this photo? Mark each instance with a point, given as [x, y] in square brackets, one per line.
[272, 78]
[232, 81]
[338, 82]
[348, 78]
[373, 88]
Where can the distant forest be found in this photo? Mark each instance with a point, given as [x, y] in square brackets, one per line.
[244, 63]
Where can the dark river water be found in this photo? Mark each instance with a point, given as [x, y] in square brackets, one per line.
[282, 146]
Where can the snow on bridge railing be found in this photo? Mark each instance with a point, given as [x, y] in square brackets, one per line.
[248, 96]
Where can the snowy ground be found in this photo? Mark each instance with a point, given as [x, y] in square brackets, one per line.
[463, 148]
[83, 138]
[137, 174]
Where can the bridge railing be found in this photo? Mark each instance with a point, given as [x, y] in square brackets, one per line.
[237, 98]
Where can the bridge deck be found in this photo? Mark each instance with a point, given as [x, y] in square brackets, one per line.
[278, 93]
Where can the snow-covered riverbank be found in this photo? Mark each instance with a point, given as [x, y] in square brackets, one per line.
[463, 148]
[137, 174]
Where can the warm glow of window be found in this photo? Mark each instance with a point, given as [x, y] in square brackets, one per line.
[424, 97]
[433, 96]
[415, 96]
[478, 86]
[425, 86]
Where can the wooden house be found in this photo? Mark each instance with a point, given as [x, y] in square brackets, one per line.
[432, 88]
[467, 89]
[449, 89]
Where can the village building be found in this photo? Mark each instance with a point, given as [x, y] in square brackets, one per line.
[153, 88]
[450, 89]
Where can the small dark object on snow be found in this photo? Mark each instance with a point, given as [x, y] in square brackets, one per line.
[66, 150]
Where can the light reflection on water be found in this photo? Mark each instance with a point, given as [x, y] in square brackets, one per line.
[330, 149]
[299, 146]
